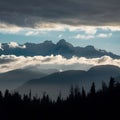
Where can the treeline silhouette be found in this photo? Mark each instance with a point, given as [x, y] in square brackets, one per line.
[103, 104]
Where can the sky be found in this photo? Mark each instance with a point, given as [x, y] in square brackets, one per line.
[80, 22]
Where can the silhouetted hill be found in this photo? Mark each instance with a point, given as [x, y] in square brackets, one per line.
[61, 48]
[96, 72]
[61, 81]
[15, 78]
[104, 71]
[66, 77]
[117, 78]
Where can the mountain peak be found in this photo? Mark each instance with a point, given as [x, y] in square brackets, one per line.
[48, 42]
[90, 47]
[63, 42]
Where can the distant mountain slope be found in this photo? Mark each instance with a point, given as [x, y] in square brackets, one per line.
[66, 77]
[47, 48]
[62, 81]
[96, 73]
[103, 72]
[15, 78]
[117, 78]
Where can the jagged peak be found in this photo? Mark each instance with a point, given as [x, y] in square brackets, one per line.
[90, 47]
[48, 42]
[63, 42]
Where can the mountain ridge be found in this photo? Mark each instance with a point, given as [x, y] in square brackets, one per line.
[15, 78]
[62, 81]
[110, 70]
[62, 47]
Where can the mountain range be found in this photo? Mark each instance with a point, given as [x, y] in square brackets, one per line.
[15, 78]
[61, 81]
[48, 47]
[52, 81]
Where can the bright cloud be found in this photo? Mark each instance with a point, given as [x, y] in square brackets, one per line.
[16, 45]
[60, 36]
[32, 33]
[45, 27]
[79, 36]
[102, 35]
[88, 36]
[1, 47]
[56, 62]
[9, 28]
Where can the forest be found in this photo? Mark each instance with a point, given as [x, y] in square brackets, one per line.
[103, 104]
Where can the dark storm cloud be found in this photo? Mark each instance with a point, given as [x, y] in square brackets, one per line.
[73, 12]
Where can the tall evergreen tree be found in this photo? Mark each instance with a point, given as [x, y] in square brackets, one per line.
[111, 83]
[83, 93]
[92, 90]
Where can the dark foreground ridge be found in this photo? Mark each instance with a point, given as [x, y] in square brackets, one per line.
[103, 104]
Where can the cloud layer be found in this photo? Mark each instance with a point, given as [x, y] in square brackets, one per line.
[11, 62]
[33, 13]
